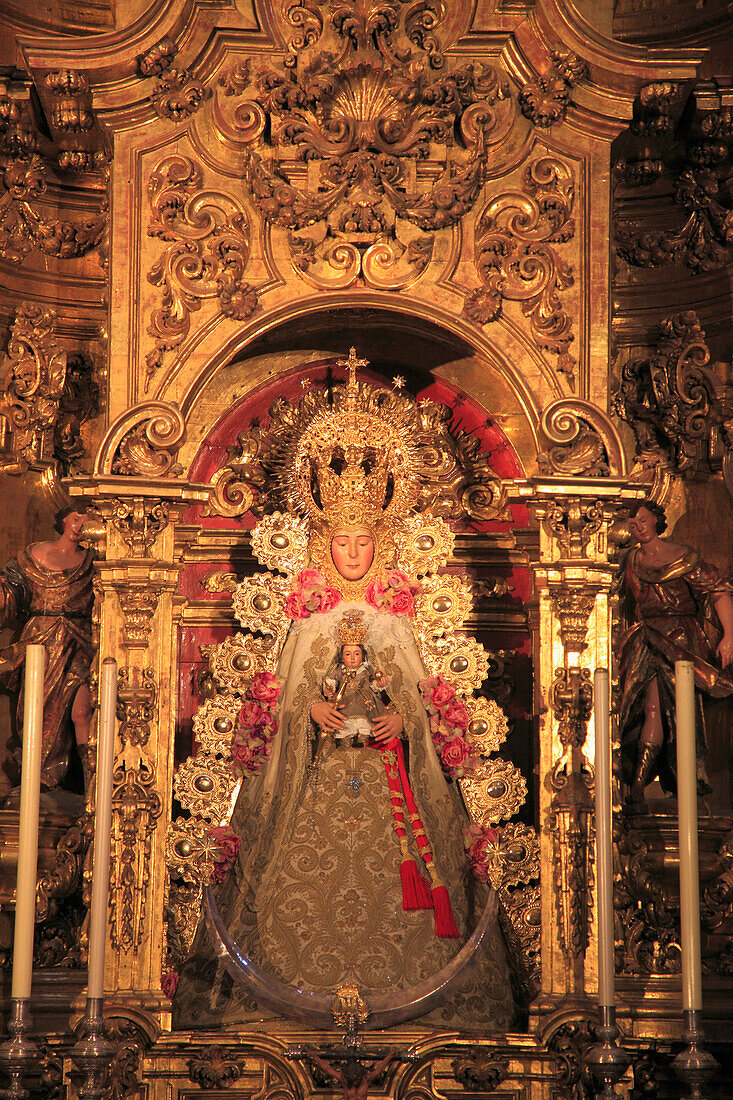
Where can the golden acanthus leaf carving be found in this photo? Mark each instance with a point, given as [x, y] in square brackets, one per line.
[207, 248]
[365, 97]
[177, 94]
[517, 258]
[583, 441]
[546, 99]
[23, 228]
[144, 442]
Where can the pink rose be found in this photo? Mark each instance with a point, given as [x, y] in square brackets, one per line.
[227, 842]
[426, 686]
[455, 714]
[403, 602]
[243, 759]
[295, 608]
[374, 594]
[454, 753]
[312, 578]
[169, 983]
[443, 693]
[329, 598]
[265, 688]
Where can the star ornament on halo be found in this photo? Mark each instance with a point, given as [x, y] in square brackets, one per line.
[398, 382]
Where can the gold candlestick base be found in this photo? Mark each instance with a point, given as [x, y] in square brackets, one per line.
[606, 1060]
[19, 1052]
[694, 1065]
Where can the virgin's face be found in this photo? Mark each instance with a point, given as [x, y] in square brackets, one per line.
[643, 525]
[352, 552]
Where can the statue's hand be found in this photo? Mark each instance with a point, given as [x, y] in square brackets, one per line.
[725, 650]
[386, 728]
[327, 716]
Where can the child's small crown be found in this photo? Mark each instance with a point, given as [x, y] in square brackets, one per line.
[352, 630]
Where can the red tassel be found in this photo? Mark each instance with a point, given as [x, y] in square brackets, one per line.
[445, 924]
[415, 890]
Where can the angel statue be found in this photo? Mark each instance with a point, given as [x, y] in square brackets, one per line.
[351, 702]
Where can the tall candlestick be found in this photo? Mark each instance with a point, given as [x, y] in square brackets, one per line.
[687, 811]
[604, 854]
[102, 827]
[30, 793]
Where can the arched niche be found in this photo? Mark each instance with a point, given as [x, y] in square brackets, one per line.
[434, 364]
[396, 342]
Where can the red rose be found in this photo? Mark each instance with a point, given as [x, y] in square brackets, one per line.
[455, 714]
[252, 715]
[265, 688]
[454, 753]
[243, 758]
[374, 594]
[443, 693]
[329, 598]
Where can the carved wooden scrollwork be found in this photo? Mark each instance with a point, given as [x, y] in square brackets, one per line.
[22, 227]
[517, 258]
[48, 395]
[136, 807]
[546, 99]
[674, 402]
[364, 97]
[583, 441]
[143, 442]
[207, 245]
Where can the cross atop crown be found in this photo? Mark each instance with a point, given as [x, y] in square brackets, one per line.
[352, 364]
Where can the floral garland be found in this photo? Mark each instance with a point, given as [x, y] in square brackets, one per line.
[257, 724]
[393, 592]
[449, 720]
[311, 593]
[227, 843]
[481, 854]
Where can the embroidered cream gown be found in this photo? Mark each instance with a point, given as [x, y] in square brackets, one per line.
[316, 896]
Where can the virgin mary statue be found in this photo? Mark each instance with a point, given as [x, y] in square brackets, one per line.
[351, 867]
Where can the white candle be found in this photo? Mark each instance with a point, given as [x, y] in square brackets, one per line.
[30, 793]
[102, 827]
[604, 853]
[687, 809]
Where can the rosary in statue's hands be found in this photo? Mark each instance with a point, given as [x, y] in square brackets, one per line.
[386, 728]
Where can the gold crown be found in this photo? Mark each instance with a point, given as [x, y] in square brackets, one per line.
[352, 630]
[355, 461]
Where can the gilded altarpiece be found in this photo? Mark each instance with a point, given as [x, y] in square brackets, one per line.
[429, 183]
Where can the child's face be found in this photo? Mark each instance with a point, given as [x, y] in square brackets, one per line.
[351, 656]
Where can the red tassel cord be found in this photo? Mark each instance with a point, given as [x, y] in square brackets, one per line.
[416, 893]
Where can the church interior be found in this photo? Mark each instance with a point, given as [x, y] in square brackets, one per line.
[366, 604]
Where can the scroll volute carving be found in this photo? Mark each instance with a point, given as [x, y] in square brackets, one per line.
[143, 442]
[47, 394]
[674, 402]
[519, 257]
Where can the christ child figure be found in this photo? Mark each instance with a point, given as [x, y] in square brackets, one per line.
[354, 686]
